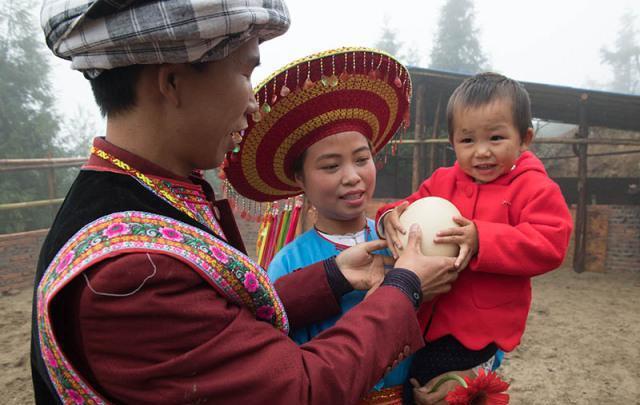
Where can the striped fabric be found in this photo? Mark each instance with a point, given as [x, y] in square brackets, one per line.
[105, 34]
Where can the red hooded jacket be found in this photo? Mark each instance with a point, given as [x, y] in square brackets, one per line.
[524, 226]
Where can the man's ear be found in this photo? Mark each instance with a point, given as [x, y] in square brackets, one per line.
[526, 140]
[169, 81]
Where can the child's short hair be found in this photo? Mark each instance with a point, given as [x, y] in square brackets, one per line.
[484, 88]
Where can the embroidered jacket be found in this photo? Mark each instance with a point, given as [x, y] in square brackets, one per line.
[137, 302]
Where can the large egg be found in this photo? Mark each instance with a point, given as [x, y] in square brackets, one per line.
[433, 214]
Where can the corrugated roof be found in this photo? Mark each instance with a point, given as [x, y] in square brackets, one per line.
[548, 102]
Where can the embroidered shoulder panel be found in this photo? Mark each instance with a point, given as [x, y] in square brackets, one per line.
[230, 272]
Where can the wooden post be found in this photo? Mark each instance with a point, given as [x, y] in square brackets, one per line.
[51, 181]
[418, 131]
[434, 135]
[579, 253]
[396, 169]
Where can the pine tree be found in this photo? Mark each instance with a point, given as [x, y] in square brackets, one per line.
[624, 58]
[28, 123]
[389, 43]
[456, 44]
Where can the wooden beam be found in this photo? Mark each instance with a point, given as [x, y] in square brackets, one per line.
[418, 131]
[51, 185]
[9, 165]
[434, 135]
[43, 161]
[30, 204]
[566, 141]
[580, 230]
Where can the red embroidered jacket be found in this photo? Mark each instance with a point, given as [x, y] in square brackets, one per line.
[177, 340]
[524, 227]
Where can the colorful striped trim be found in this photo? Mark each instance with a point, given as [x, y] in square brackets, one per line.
[230, 272]
[192, 204]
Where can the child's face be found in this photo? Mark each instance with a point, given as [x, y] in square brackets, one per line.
[339, 176]
[486, 140]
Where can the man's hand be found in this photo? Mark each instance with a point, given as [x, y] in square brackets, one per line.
[388, 263]
[436, 273]
[423, 396]
[465, 236]
[393, 228]
[363, 269]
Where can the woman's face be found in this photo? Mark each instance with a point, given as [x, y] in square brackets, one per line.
[339, 176]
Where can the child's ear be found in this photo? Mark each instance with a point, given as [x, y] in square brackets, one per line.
[526, 140]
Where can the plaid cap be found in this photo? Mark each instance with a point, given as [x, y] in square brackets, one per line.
[105, 34]
[348, 89]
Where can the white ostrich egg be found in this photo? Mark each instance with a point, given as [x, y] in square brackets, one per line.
[433, 214]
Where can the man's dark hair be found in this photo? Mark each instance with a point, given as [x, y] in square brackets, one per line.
[485, 88]
[115, 89]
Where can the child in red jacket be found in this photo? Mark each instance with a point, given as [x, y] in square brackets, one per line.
[514, 224]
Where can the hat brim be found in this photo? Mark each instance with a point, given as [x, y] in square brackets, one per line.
[347, 89]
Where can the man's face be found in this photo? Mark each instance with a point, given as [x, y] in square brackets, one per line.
[486, 141]
[215, 102]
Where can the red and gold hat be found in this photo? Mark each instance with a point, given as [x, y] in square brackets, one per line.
[348, 89]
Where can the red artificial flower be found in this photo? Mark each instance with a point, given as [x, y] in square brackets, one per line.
[485, 389]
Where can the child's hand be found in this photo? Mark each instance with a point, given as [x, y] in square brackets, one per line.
[465, 236]
[393, 228]
[423, 396]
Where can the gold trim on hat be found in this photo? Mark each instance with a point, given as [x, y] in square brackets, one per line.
[357, 82]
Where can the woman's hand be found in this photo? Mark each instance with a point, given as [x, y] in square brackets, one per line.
[393, 228]
[360, 266]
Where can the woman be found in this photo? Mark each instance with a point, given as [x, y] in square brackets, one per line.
[325, 117]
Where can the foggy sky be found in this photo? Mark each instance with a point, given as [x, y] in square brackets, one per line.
[546, 41]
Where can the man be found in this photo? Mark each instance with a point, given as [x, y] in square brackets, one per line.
[143, 292]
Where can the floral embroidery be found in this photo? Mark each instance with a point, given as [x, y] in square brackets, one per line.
[65, 261]
[171, 234]
[218, 254]
[230, 272]
[48, 356]
[250, 282]
[116, 229]
[265, 312]
[75, 397]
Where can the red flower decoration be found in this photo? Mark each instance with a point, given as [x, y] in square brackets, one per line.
[485, 389]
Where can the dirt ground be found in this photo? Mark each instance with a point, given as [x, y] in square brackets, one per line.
[582, 344]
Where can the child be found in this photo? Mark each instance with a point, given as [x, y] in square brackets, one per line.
[343, 107]
[514, 225]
